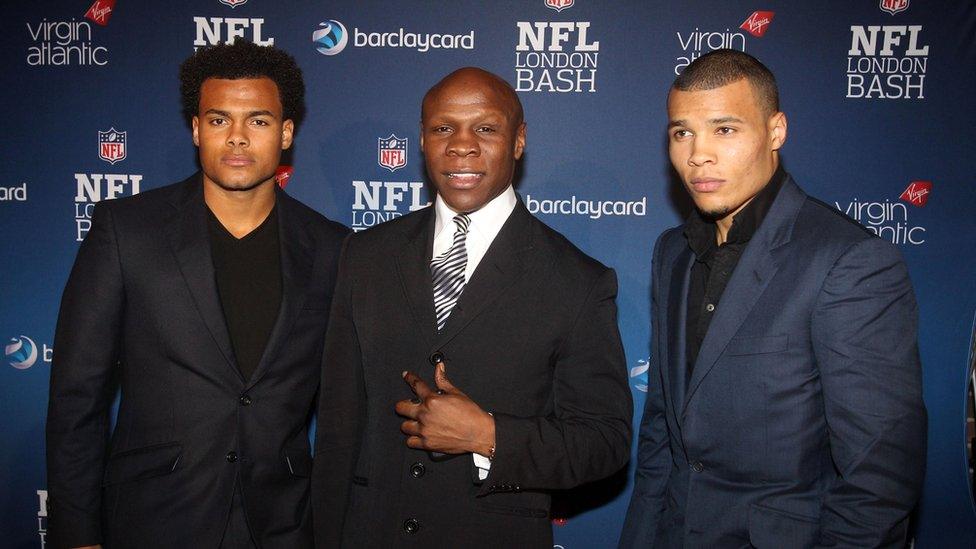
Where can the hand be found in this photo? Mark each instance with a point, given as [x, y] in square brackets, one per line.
[444, 420]
[89, 547]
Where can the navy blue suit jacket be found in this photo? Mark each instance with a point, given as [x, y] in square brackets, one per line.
[802, 424]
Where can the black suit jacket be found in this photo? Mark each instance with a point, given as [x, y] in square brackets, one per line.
[802, 424]
[533, 339]
[141, 305]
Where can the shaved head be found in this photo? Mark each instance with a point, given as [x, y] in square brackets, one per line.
[475, 77]
[472, 134]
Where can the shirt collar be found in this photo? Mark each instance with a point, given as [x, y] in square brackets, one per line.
[700, 232]
[485, 221]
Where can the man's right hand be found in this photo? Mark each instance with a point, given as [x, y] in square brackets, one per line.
[89, 547]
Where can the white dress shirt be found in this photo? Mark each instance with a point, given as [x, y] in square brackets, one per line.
[482, 230]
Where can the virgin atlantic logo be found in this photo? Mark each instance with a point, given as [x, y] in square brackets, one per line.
[758, 23]
[100, 11]
[917, 193]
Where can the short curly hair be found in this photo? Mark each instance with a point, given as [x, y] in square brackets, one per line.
[243, 59]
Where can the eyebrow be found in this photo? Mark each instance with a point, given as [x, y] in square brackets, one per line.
[250, 114]
[710, 121]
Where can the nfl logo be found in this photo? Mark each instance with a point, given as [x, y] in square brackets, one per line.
[233, 3]
[894, 6]
[392, 153]
[559, 5]
[111, 146]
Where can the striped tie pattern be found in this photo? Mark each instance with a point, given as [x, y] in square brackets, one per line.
[447, 272]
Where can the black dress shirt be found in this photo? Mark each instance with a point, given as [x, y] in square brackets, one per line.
[715, 264]
[248, 272]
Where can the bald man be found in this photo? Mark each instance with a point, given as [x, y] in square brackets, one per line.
[472, 360]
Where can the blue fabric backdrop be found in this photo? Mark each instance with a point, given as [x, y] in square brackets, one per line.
[879, 96]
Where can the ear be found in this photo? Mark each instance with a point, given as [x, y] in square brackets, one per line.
[421, 137]
[519, 141]
[287, 133]
[195, 123]
[777, 130]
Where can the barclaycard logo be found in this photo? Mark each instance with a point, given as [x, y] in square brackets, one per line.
[21, 352]
[331, 39]
[638, 374]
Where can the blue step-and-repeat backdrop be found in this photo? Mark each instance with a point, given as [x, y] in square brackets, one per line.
[879, 96]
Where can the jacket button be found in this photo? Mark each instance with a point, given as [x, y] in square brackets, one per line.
[245, 400]
[231, 457]
[417, 470]
[697, 467]
[436, 357]
[411, 526]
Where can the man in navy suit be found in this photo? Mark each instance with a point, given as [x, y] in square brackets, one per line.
[784, 407]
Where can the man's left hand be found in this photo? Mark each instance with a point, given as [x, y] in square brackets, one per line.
[444, 419]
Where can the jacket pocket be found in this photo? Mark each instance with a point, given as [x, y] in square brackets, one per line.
[143, 463]
[740, 346]
[526, 512]
[774, 528]
[298, 461]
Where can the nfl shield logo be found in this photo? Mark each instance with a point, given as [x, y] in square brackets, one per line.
[392, 153]
[111, 146]
[233, 3]
[894, 6]
[559, 5]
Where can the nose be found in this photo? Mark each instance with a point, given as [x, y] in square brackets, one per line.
[237, 137]
[701, 152]
[463, 143]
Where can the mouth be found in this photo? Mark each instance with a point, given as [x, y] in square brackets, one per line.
[464, 180]
[706, 184]
[237, 161]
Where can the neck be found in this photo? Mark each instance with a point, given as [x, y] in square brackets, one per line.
[240, 212]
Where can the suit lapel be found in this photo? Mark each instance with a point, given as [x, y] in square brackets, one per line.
[755, 269]
[189, 239]
[501, 267]
[296, 267]
[414, 273]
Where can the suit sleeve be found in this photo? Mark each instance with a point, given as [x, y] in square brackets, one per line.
[865, 340]
[653, 447]
[87, 339]
[587, 437]
[341, 413]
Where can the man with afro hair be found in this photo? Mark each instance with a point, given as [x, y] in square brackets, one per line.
[206, 301]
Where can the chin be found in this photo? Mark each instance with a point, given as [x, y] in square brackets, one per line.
[715, 213]
[239, 185]
[712, 210]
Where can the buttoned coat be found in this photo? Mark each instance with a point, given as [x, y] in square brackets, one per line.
[533, 339]
[141, 307]
[802, 423]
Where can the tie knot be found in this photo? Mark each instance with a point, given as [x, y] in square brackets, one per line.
[462, 221]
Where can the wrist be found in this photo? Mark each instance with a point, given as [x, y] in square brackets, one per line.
[487, 444]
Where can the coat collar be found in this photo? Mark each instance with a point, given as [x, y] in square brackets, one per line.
[189, 239]
[502, 266]
[755, 269]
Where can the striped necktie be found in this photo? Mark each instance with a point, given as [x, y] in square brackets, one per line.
[447, 272]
